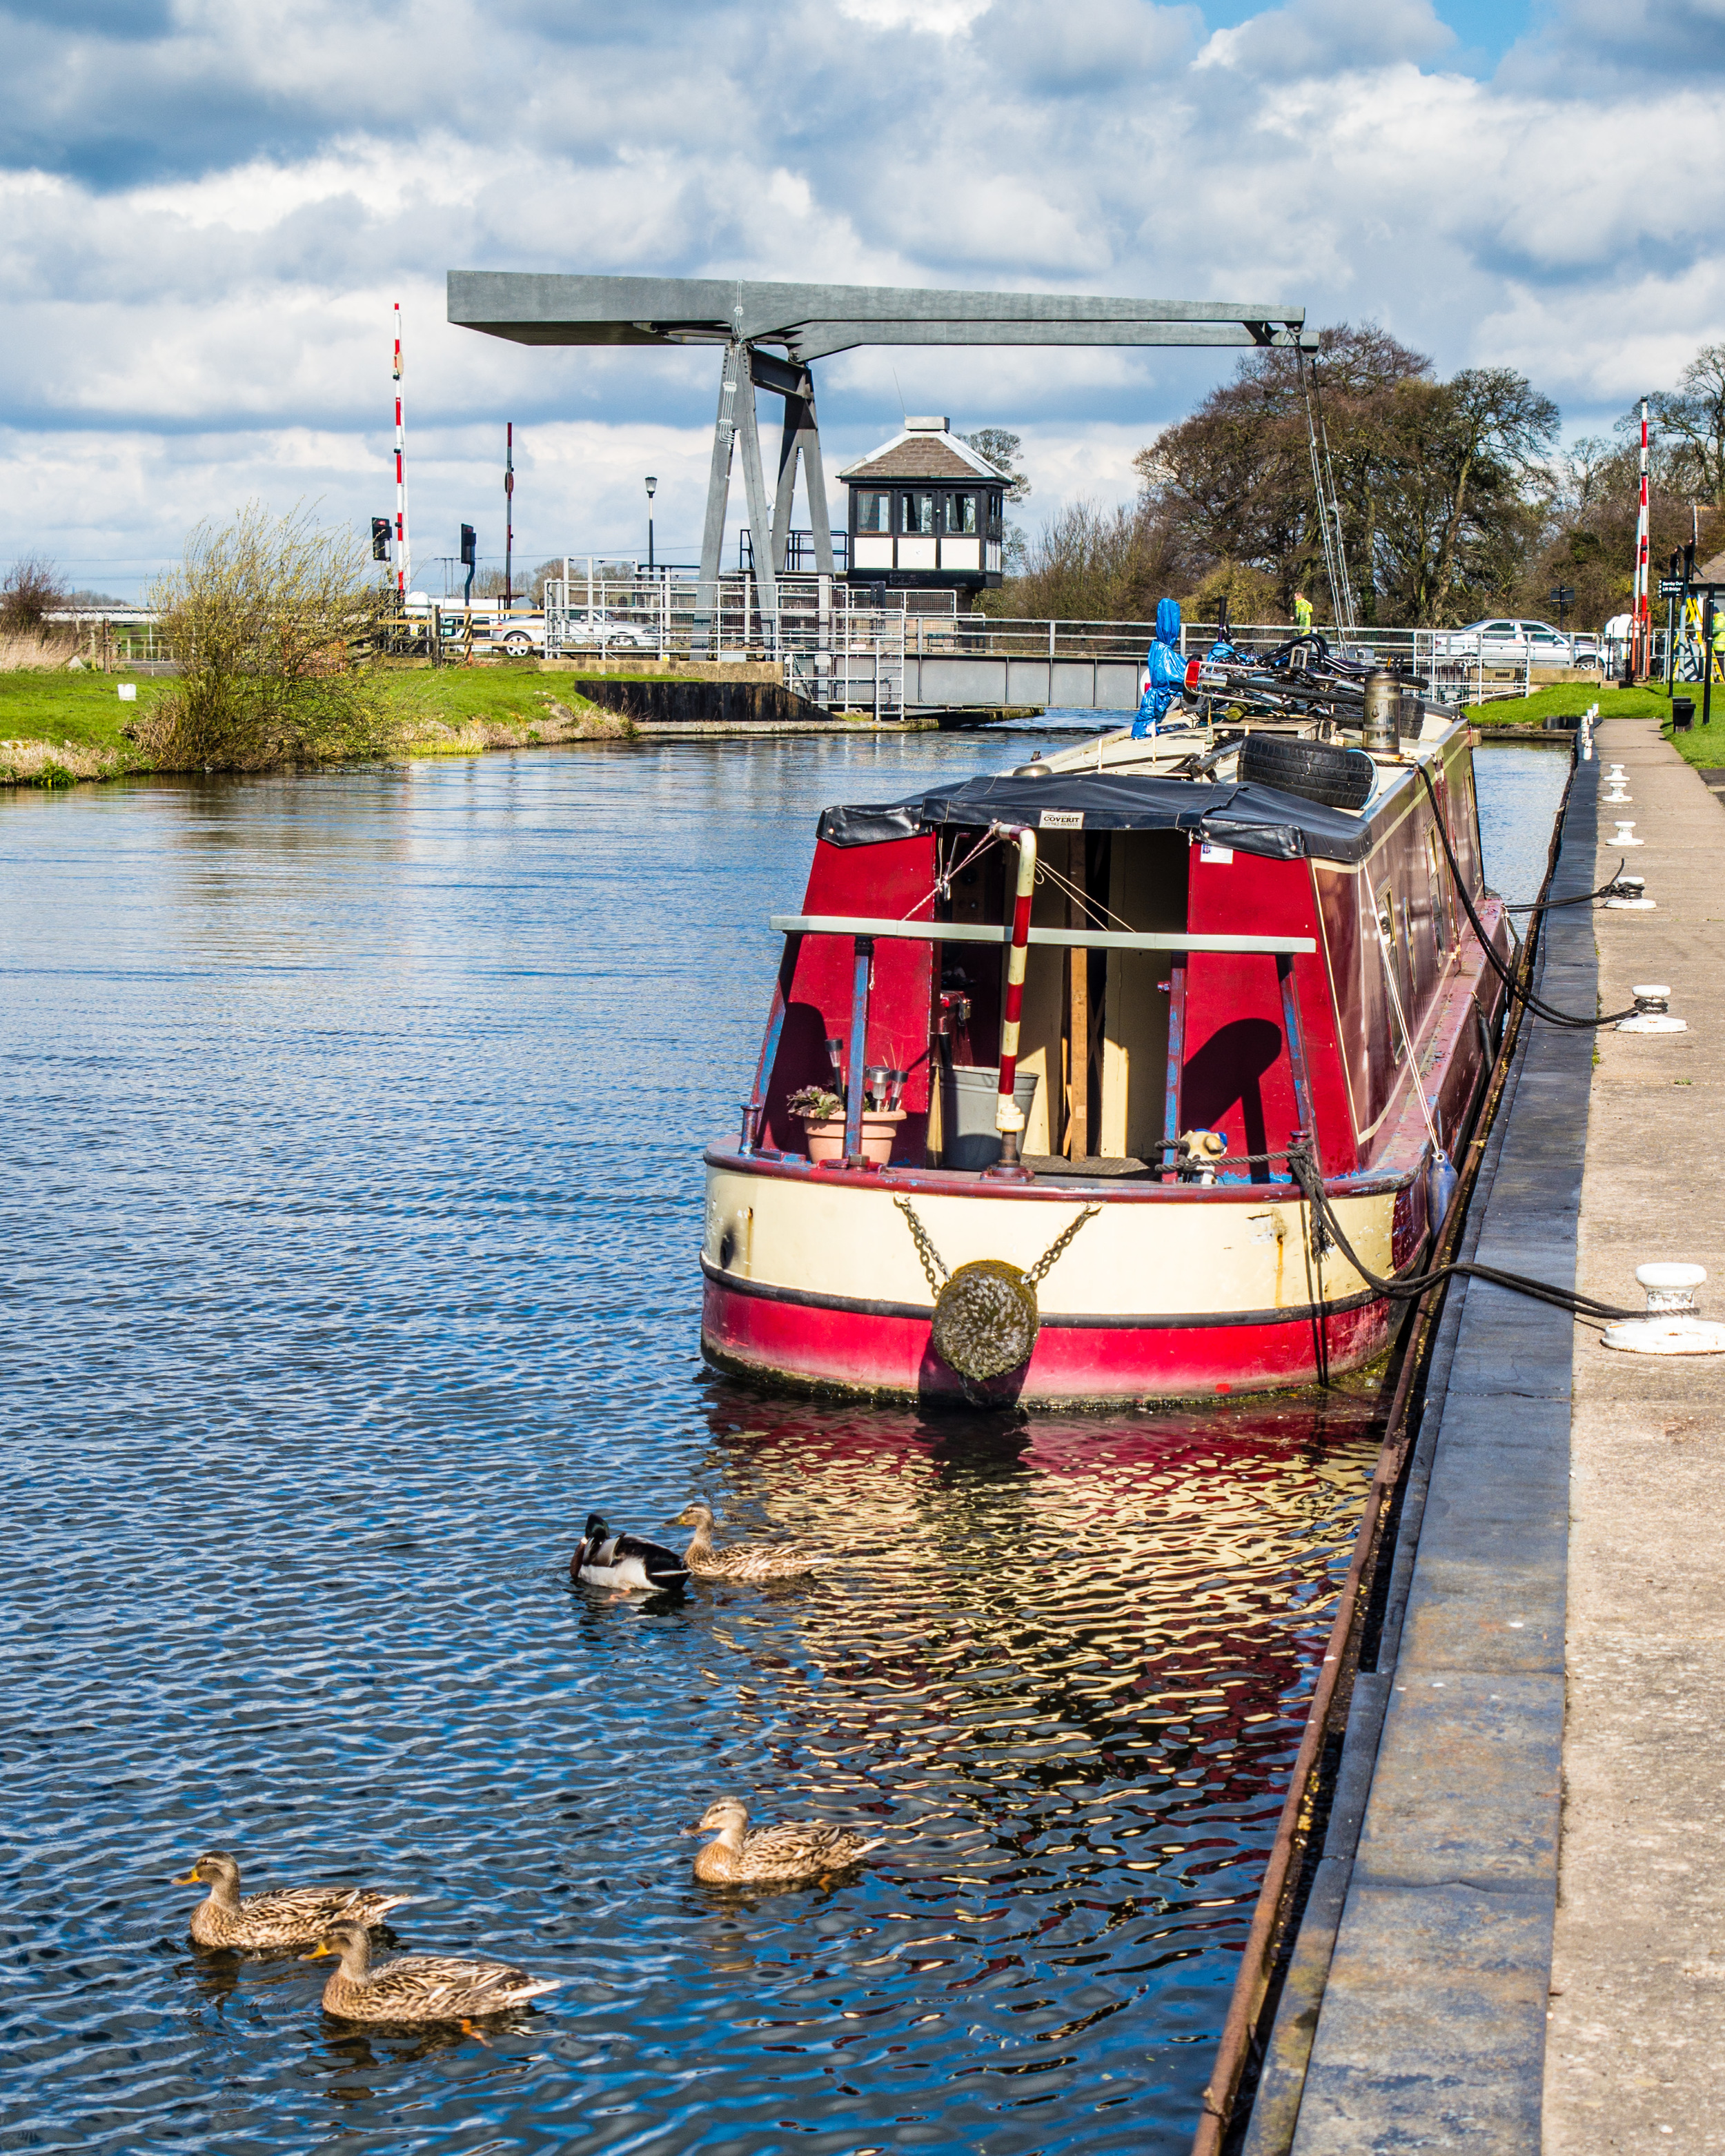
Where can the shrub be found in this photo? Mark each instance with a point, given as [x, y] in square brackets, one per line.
[274, 623]
[32, 589]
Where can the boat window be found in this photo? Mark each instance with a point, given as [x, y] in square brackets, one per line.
[917, 513]
[1387, 962]
[1441, 921]
[874, 512]
[961, 514]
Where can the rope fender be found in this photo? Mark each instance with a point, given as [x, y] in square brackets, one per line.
[985, 1315]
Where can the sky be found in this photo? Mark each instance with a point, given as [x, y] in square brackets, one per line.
[207, 208]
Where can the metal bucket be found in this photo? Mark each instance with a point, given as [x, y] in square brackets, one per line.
[968, 1092]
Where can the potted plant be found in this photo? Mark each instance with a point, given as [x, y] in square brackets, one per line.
[822, 1113]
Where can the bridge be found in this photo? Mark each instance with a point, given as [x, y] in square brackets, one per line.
[769, 334]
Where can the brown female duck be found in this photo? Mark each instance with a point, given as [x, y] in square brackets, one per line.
[743, 1855]
[418, 1987]
[747, 1562]
[283, 1917]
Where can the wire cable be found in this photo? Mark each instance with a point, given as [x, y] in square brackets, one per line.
[1523, 996]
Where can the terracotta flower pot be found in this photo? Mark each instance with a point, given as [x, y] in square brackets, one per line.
[826, 1135]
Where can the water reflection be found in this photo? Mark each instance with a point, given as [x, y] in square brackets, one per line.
[352, 1263]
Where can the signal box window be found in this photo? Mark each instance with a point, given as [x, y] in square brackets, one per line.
[917, 511]
[961, 514]
[874, 512]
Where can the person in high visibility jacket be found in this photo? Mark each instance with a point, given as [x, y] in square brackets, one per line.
[1164, 670]
[1719, 647]
[1302, 614]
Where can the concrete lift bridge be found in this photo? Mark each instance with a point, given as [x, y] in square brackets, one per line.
[769, 334]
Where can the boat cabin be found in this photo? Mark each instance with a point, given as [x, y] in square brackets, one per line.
[927, 513]
[1200, 958]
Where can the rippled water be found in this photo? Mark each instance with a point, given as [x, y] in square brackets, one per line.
[348, 1257]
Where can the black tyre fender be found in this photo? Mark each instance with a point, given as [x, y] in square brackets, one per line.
[1315, 771]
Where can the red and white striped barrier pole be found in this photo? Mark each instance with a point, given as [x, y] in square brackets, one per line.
[401, 483]
[1641, 643]
[1009, 1116]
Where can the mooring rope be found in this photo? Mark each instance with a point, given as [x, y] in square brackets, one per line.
[1408, 1285]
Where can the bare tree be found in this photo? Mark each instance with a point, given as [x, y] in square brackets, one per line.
[1692, 419]
[999, 447]
[33, 589]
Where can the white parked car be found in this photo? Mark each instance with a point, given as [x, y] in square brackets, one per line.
[584, 629]
[1508, 642]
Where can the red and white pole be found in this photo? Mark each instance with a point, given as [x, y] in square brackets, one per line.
[401, 482]
[1640, 646]
[509, 516]
[1009, 1116]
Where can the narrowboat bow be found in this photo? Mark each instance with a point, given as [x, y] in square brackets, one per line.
[1069, 1021]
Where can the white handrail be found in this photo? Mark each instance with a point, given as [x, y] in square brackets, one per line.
[1064, 939]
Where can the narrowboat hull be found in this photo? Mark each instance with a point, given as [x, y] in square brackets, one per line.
[1162, 1295]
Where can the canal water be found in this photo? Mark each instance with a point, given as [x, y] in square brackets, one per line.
[348, 1259]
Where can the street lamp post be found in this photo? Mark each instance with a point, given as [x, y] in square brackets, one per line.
[652, 489]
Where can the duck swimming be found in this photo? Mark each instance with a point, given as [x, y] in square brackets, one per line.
[603, 1560]
[779, 1856]
[283, 1916]
[418, 1987]
[760, 1561]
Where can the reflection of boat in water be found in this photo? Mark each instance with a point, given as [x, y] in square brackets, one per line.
[1050, 1604]
[1212, 972]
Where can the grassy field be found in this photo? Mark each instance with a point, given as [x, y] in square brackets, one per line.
[1701, 746]
[70, 724]
[79, 711]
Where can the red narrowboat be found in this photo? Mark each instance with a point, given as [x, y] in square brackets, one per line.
[1040, 1047]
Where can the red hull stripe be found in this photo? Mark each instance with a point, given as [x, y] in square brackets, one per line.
[1300, 1313]
[857, 1352]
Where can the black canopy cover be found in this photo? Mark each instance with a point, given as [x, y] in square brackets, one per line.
[1256, 819]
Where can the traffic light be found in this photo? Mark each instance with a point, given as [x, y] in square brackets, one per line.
[380, 538]
[469, 546]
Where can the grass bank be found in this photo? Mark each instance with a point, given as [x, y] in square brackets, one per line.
[1568, 700]
[56, 727]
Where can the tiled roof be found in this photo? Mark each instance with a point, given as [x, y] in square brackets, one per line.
[921, 456]
[1712, 572]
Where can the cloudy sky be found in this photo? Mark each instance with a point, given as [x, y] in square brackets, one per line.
[210, 205]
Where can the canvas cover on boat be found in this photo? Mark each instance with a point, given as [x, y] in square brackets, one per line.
[1256, 819]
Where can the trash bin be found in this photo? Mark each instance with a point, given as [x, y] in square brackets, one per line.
[1683, 714]
[969, 1091]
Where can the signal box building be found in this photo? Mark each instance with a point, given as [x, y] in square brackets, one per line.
[927, 513]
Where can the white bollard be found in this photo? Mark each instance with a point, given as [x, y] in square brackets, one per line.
[1673, 1325]
[1652, 1011]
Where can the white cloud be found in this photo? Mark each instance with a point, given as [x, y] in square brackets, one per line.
[205, 217]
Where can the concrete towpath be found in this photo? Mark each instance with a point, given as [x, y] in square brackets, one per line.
[1514, 1939]
[1634, 2054]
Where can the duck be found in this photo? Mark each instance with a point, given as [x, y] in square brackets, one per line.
[763, 1561]
[771, 1856]
[418, 1987]
[603, 1560]
[283, 1916]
